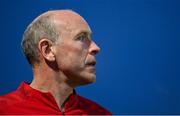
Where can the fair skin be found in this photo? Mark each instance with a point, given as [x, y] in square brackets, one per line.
[68, 63]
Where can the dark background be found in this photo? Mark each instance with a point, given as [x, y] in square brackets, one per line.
[138, 69]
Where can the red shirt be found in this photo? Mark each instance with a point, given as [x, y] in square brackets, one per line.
[26, 100]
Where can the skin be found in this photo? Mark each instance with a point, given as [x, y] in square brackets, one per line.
[68, 63]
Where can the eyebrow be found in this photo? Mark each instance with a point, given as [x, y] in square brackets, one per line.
[84, 32]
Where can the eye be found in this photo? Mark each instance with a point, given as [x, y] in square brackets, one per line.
[82, 37]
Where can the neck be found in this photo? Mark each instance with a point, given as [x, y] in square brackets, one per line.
[48, 81]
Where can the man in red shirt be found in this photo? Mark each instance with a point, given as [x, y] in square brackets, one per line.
[59, 47]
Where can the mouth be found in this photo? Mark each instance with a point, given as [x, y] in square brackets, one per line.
[93, 63]
[91, 66]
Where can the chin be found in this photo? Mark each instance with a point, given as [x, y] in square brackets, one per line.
[91, 77]
[88, 80]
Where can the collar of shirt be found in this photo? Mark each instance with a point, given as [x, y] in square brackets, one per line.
[46, 97]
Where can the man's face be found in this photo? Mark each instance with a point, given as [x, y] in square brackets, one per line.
[75, 52]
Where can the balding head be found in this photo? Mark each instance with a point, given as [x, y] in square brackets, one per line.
[48, 25]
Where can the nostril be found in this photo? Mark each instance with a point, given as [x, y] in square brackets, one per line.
[95, 51]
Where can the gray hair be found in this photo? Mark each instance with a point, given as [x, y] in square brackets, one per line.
[42, 26]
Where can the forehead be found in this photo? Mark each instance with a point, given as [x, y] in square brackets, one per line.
[71, 23]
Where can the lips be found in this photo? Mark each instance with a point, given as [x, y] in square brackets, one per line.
[92, 63]
[91, 66]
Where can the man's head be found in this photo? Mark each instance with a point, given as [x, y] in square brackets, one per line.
[62, 39]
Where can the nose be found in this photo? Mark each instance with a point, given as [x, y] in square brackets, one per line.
[94, 48]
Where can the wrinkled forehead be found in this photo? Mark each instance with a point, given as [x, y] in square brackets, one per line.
[71, 22]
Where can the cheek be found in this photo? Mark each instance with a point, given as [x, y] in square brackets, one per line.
[71, 55]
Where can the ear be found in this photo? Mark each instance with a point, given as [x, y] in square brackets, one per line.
[46, 49]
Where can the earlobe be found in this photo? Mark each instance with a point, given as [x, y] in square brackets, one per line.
[45, 48]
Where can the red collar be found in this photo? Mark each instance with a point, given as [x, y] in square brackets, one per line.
[46, 97]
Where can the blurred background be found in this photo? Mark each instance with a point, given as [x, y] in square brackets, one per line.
[138, 68]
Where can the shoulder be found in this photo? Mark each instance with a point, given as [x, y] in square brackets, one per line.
[9, 99]
[14, 97]
[93, 107]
